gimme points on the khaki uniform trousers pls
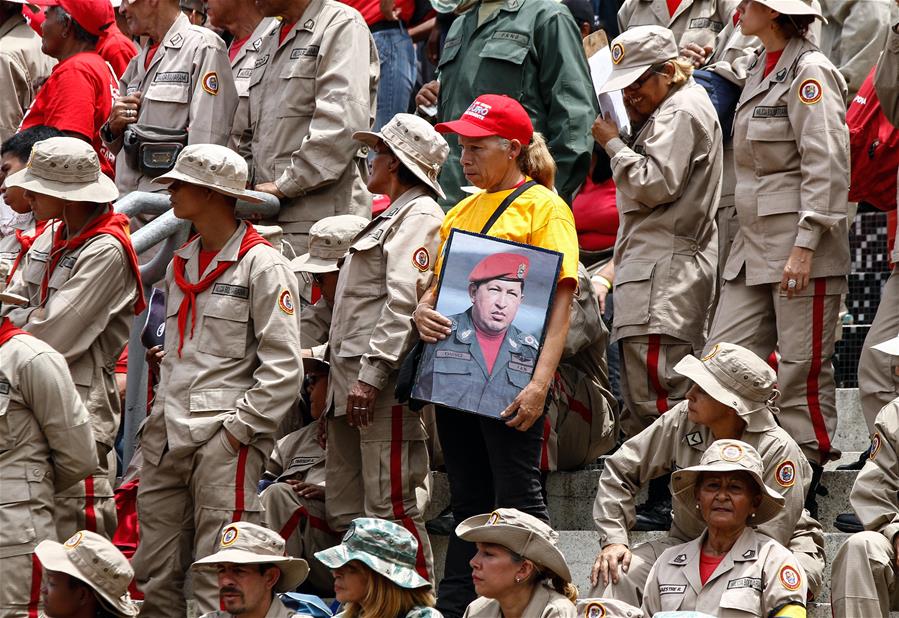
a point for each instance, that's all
(183, 503)
(649, 385)
(20, 592)
(802, 329)
(89, 504)
(381, 470)
(631, 584)
(863, 580)
(301, 522)
(878, 384)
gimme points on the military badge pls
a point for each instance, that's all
(875, 445)
(711, 353)
(617, 53)
(229, 535)
(731, 452)
(285, 302)
(790, 578)
(421, 259)
(694, 438)
(211, 83)
(810, 91)
(786, 474)
(595, 609)
(74, 540)
(494, 519)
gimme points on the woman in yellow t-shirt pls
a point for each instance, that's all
(496, 463)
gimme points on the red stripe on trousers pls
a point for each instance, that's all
(652, 369)
(90, 515)
(811, 384)
(239, 483)
(35, 598)
(396, 485)
(316, 522)
(544, 449)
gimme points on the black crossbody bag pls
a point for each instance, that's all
(405, 378)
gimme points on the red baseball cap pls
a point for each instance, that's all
(509, 266)
(492, 114)
(92, 15)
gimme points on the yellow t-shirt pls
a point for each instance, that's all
(538, 217)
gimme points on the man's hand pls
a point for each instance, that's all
(234, 442)
(154, 358)
(124, 112)
(309, 491)
(606, 565)
(432, 326)
(604, 130)
(696, 54)
(270, 187)
(797, 272)
(389, 10)
(526, 408)
(428, 94)
(360, 404)
(603, 289)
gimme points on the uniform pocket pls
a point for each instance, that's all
(501, 65)
(34, 268)
(299, 84)
(168, 93)
(356, 344)
(225, 327)
(633, 292)
(6, 437)
(778, 203)
(15, 511)
(741, 600)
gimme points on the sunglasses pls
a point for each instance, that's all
(655, 69)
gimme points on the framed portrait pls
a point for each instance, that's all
(497, 294)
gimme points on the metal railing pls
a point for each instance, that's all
(166, 233)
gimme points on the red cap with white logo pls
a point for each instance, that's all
(492, 114)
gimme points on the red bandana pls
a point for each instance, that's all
(25, 242)
(110, 223)
(8, 331)
(251, 238)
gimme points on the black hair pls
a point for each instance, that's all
(405, 175)
(793, 26)
(21, 144)
(81, 35)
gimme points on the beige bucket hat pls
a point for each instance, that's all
(794, 7)
(606, 608)
(522, 533)
(727, 456)
(732, 375)
(246, 543)
(415, 143)
(890, 346)
(212, 166)
(329, 240)
(634, 51)
(67, 168)
(91, 558)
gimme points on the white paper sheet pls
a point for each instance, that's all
(611, 103)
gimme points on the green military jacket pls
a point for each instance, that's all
(530, 50)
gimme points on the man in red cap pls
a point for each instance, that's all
(486, 360)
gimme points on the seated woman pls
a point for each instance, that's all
(374, 572)
(730, 570)
(518, 571)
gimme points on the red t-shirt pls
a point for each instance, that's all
(771, 59)
(151, 51)
(78, 97)
(595, 215)
(490, 345)
(285, 30)
(236, 46)
(116, 49)
(371, 9)
(672, 6)
(707, 565)
(205, 259)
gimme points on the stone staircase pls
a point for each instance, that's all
(571, 494)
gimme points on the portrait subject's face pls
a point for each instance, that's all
(494, 304)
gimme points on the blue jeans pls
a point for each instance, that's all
(397, 55)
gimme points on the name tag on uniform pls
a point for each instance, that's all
(260, 61)
(172, 77)
(770, 111)
(244, 73)
(302, 461)
(705, 22)
(745, 582)
(224, 289)
(453, 354)
(68, 262)
(4, 388)
(298, 52)
(672, 589)
(521, 39)
(521, 367)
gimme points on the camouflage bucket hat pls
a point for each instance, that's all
(383, 546)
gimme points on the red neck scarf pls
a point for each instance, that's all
(110, 223)
(8, 331)
(251, 238)
(25, 242)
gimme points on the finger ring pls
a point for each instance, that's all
(791, 283)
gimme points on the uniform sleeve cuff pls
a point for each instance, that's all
(238, 429)
(288, 187)
(807, 239)
(615, 538)
(614, 146)
(890, 531)
(373, 375)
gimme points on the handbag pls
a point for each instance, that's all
(405, 379)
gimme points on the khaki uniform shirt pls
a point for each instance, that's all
(545, 603)
(853, 36)
(188, 85)
(9, 251)
(316, 320)
(791, 149)
(307, 97)
(46, 442)
(277, 610)
(874, 495)
(673, 442)
(694, 21)
(298, 456)
(23, 67)
(86, 317)
(757, 577)
(385, 272)
(668, 178)
(886, 82)
(242, 368)
(245, 61)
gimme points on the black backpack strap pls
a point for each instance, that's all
(505, 204)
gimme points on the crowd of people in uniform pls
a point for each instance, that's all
(282, 454)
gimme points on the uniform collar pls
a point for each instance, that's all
(228, 253)
(759, 421)
(744, 550)
(758, 82)
(306, 21)
(401, 203)
(174, 38)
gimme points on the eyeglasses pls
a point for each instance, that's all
(655, 69)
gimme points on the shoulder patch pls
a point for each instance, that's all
(790, 578)
(617, 52)
(694, 438)
(810, 91)
(211, 83)
(421, 259)
(680, 559)
(876, 441)
(594, 609)
(786, 474)
(285, 302)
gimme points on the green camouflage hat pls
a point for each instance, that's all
(385, 547)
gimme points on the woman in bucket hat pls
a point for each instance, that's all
(730, 570)
(85, 576)
(518, 569)
(375, 572)
(385, 272)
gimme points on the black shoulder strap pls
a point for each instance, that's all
(505, 204)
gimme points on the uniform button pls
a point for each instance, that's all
(36, 471)
(694, 247)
